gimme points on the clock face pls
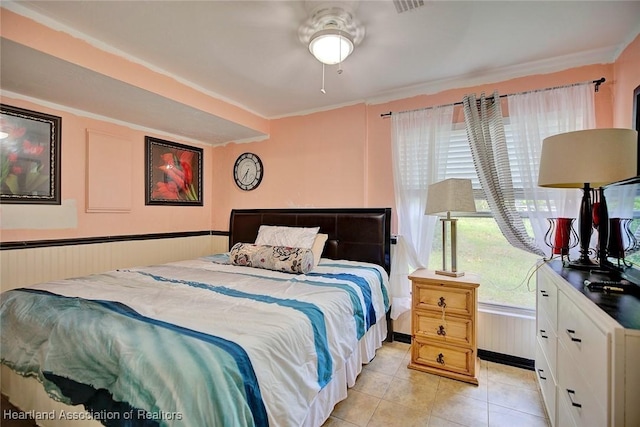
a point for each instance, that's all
(248, 171)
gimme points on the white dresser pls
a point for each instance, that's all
(587, 351)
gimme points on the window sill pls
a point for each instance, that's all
(506, 310)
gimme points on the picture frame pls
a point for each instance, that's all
(173, 173)
(30, 156)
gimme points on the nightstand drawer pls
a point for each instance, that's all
(444, 357)
(437, 297)
(452, 330)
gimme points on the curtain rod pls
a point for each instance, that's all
(597, 84)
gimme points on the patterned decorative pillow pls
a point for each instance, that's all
(278, 258)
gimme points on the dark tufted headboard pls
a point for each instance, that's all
(356, 234)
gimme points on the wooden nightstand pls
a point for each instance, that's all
(444, 315)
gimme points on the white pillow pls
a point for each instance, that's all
(293, 237)
(318, 247)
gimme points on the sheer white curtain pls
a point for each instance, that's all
(417, 141)
(533, 116)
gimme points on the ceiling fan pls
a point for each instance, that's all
(332, 31)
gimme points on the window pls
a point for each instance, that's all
(482, 248)
(504, 270)
(632, 257)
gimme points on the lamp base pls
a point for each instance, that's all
(450, 273)
(581, 264)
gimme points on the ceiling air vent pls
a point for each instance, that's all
(404, 5)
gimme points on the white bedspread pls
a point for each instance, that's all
(297, 330)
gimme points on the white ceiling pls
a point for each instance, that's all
(249, 52)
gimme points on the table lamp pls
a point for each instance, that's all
(589, 159)
(450, 195)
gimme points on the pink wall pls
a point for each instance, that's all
(627, 78)
(140, 220)
(335, 158)
(342, 157)
(316, 160)
(71, 220)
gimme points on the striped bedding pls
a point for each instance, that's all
(193, 343)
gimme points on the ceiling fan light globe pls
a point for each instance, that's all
(331, 46)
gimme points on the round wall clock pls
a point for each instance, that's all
(248, 171)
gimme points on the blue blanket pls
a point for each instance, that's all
(136, 358)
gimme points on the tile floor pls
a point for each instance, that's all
(388, 394)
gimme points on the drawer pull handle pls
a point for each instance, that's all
(542, 333)
(441, 303)
(440, 359)
(571, 393)
(441, 331)
(570, 332)
(540, 371)
(544, 293)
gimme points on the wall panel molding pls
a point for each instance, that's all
(106, 190)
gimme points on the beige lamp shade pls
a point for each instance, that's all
(594, 156)
(450, 195)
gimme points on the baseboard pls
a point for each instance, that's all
(505, 359)
(405, 338)
(489, 356)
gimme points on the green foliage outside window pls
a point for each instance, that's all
(504, 270)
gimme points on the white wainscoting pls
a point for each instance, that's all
(506, 330)
(23, 267)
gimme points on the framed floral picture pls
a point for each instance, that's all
(173, 173)
(29, 156)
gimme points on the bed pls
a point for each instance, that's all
(209, 341)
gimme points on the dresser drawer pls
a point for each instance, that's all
(442, 356)
(586, 343)
(547, 340)
(547, 297)
(453, 330)
(547, 382)
(436, 297)
(565, 418)
(586, 404)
